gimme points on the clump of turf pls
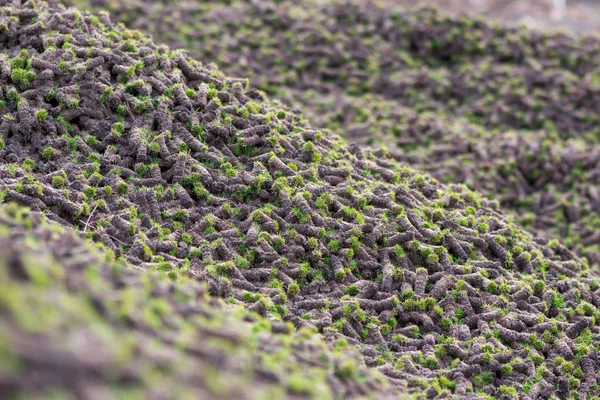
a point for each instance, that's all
(509, 111)
(180, 169)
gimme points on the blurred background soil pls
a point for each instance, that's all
(582, 16)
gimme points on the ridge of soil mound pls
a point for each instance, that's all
(512, 112)
(175, 167)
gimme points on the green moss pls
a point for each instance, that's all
(432, 258)
(48, 153)
(41, 115)
(118, 128)
(22, 77)
(58, 181)
(122, 187)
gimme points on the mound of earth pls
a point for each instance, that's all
(78, 324)
(175, 167)
(576, 15)
(509, 111)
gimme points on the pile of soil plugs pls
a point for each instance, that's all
(511, 112)
(181, 170)
(78, 324)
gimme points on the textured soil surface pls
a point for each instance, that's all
(77, 324)
(511, 112)
(327, 258)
